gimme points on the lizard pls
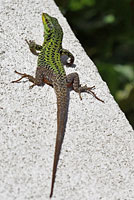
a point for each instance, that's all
(50, 70)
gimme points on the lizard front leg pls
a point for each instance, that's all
(36, 47)
(33, 47)
(74, 82)
(69, 54)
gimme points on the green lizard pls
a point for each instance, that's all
(50, 70)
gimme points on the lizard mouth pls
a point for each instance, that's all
(44, 18)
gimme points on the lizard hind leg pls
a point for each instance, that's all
(73, 80)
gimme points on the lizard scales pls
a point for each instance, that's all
(51, 71)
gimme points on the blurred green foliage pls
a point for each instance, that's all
(106, 30)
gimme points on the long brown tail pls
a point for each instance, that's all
(62, 112)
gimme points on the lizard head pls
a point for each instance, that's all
(50, 24)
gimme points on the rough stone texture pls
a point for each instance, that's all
(97, 158)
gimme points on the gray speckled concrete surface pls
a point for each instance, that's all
(97, 158)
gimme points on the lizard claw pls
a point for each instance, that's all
(31, 86)
(31, 43)
(80, 95)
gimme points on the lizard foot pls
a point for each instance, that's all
(88, 90)
(31, 43)
(33, 46)
(24, 75)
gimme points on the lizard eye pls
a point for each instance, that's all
(48, 23)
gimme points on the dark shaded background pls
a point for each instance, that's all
(106, 30)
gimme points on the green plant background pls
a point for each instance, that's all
(106, 30)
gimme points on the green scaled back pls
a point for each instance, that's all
(49, 56)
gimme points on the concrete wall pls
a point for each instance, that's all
(97, 157)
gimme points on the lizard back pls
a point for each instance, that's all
(49, 57)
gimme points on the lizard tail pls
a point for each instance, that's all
(62, 110)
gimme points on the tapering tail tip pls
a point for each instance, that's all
(52, 187)
(51, 194)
